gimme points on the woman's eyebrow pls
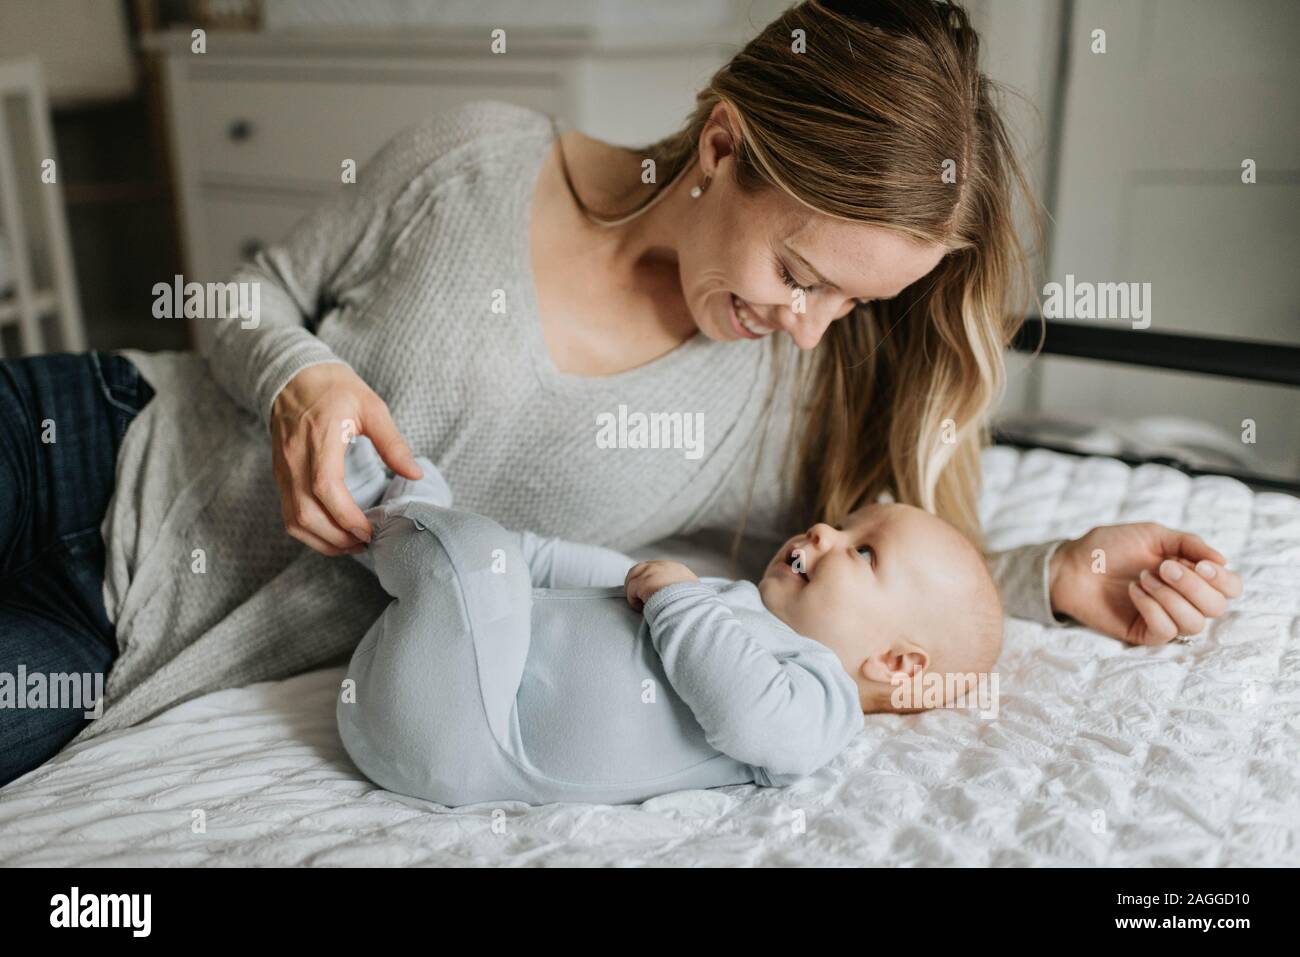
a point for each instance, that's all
(809, 266)
(820, 278)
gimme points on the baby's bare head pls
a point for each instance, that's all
(893, 591)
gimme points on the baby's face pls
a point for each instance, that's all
(873, 590)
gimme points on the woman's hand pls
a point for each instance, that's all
(314, 417)
(646, 578)
(1141, 583)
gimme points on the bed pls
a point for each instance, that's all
(1102, 754)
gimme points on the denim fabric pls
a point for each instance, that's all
(62, 419)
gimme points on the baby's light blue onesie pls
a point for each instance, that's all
(502, 670)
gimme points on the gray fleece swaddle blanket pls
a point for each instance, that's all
(502, 670)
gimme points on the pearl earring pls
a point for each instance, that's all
(698, 191)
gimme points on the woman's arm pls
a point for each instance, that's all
(1142, 582)
(335, 248)
(304, 275)
(1023, 576)
(310, 400)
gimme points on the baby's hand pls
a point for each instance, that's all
(648, 577)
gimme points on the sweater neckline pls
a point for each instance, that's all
(548, 373)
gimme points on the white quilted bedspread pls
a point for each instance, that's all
(1102, 754)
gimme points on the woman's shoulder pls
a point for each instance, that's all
(480, 120)
(436, 150)
(487, 128)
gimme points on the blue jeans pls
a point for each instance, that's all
(62, 419)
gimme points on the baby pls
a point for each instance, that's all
(513, 667)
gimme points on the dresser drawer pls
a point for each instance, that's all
(229, 228)
(301, 130)
(236, 228)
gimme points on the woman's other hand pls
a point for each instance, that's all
(1142, 583)
(314, 417)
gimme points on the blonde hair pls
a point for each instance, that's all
(862, 125)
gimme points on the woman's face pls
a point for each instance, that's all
(756, 264)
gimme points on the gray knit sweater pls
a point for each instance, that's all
(418, 277)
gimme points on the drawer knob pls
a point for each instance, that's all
(250, 248)
(239, 130)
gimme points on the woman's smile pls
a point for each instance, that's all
(744, 322)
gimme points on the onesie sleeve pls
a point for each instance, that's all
(786, 712)
(555, 563)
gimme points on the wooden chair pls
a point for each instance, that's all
(39, 256)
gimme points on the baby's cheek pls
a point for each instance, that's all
(776, 600)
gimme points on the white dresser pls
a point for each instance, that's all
(261, 123)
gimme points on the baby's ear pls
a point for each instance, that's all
(903, 659)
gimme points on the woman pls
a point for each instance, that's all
(844, 185)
